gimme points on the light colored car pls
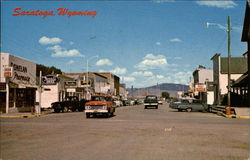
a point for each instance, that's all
(160, 102)
(118, 103)
(175, 104)
(196, 105)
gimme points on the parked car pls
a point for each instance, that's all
(174, 104)
(160, 102)
(100, 105)
(196, 105)
(118, 103)
(69, 103)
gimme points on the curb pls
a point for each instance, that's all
(24, 116)
(233, 116)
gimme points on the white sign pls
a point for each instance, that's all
(50, 80)
(8, 71)
(23, 71)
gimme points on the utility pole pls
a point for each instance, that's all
(38, 109)
(87, 88)
(228, 65)
(228, 108)
(7, 95)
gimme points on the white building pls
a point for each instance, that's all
(238, 66)
(53, 89)
(17, 83)
(202, 76)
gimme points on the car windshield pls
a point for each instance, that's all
(99, 98)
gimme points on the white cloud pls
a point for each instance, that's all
(62, 52)
(158, 43)
(45, 40)
(102, 70)
(128, 79)
(175, 40)
(181, 77)
(160, 76)
(118, 70)
(103, 62)
(140, 73)
(151, 61)
(224, 27)
(218, 4)
(71, 62)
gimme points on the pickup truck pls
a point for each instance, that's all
(100, 105)
(69, 103)
(151, 101)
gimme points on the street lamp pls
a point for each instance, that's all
(87, 88)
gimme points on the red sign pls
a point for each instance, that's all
(8, 72)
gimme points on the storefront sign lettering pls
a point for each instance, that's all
(50, 80)
(19, 68)
(21, 77)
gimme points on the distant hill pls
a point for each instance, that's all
(170, 87)
(158, 89)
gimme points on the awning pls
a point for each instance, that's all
(14, 85)
(242, 81)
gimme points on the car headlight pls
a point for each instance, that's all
(104, 107)
(87, 107)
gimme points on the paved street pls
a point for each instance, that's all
(132, 134)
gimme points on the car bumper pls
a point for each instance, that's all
(97, 111)
(150, 104)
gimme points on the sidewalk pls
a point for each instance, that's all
(241, 112)
(24, 114)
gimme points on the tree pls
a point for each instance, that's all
(47, 70)
(165, 95)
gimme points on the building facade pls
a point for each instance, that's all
(91, 83)
(17, 83)
(202, 77)
(54, 88)
(114, 82)
(238, 67)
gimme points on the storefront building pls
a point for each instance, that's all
(54, 89)
(17, 84)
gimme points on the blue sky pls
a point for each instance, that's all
(143, 42)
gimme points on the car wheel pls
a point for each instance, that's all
(156, 107)
(189, 109)
(179, 110)
(65, 109)
(57, 110)
(145, 107)
(80, 109)
(87, 115)
(112, 114)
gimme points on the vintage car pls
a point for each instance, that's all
(160, 102)
(177, 102)
(100, 105)
(151, 101)
(69, 103)
(195, 105)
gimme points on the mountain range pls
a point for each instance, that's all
(171, 88)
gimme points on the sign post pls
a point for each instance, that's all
(8, 73)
